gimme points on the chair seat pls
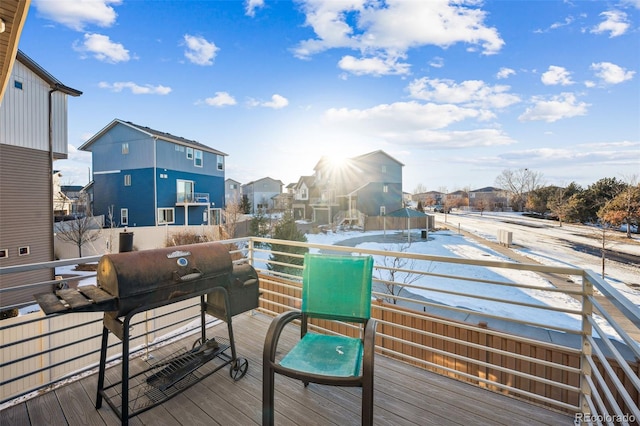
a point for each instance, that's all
(327, 355)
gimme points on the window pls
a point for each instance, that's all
(383, 210)
(385, 188)
(184, 191)
(23, 251)
(124, 216)
(125, 148)
(197, 161)
(165, 216)
(220, 160)
(189, 153)
(17, 84)
(4, 253)
(233, 186)
(127, 180)
(384, 169)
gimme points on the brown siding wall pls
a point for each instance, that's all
(25, 218)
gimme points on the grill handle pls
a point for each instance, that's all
(194, 274)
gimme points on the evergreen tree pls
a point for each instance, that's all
(245, 205)
(286, 229)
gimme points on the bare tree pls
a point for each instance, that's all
(519, 183)
(559, 205)
(419, 189)
(79, 231)
(481, 204)
(232, 213)
(395, 273)
(624, 209)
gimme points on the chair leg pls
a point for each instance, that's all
(267, 395)
(367, 400)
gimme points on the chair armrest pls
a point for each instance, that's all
(369, 346)
(273, 333)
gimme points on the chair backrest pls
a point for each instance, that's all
(337, 287)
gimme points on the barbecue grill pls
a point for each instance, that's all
(133, 282)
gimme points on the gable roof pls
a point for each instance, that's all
(488, 189)
(372, 153)
(363, 157)
(168, 137)
(53, 82)
(253, 182)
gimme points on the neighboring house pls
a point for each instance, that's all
(33, 132)
(429, 199)
(77, 197)
(347, 191)
(144, 177)
(300, 203)
(260, 193)
(232, 192)
(457, 199)
(61, 203)
(489, 199)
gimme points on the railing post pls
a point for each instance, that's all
(250, 251)
(585, 367)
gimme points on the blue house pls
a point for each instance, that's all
(144, 177)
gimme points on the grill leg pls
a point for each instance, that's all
(125, 371)
(103, 361)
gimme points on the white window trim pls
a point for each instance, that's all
(161, 221)
(124, 216)
(189, 153)
(198, 155)
(127, 180)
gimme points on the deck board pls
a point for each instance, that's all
(404, 395)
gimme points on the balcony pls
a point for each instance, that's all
(193, 198)
(436, 364)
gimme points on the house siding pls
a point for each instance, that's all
(155, 165)
(25, 116)
(25, 218)
(372, 197)
(137, 198)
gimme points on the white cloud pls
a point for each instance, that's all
(387, 30)
(469, 93)
(437, 62)
(221, 99)
(199, 50)
(635, 3)
(611, 73)
(556, 75)
(374, 66)
(102, 48)
(79, 13)
(411, 116)
(250, 7)
(505, 73)
(276, 102)
(136, 89)
(615, 23)
(555, 108)
(413, 124)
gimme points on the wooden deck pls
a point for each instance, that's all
(404, 395)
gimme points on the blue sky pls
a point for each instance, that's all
(457, 91)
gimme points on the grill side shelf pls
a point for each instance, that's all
(84, 299)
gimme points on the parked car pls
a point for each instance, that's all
(441, 209)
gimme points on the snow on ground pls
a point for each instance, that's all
(449, 244)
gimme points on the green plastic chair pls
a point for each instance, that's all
(333, 288)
